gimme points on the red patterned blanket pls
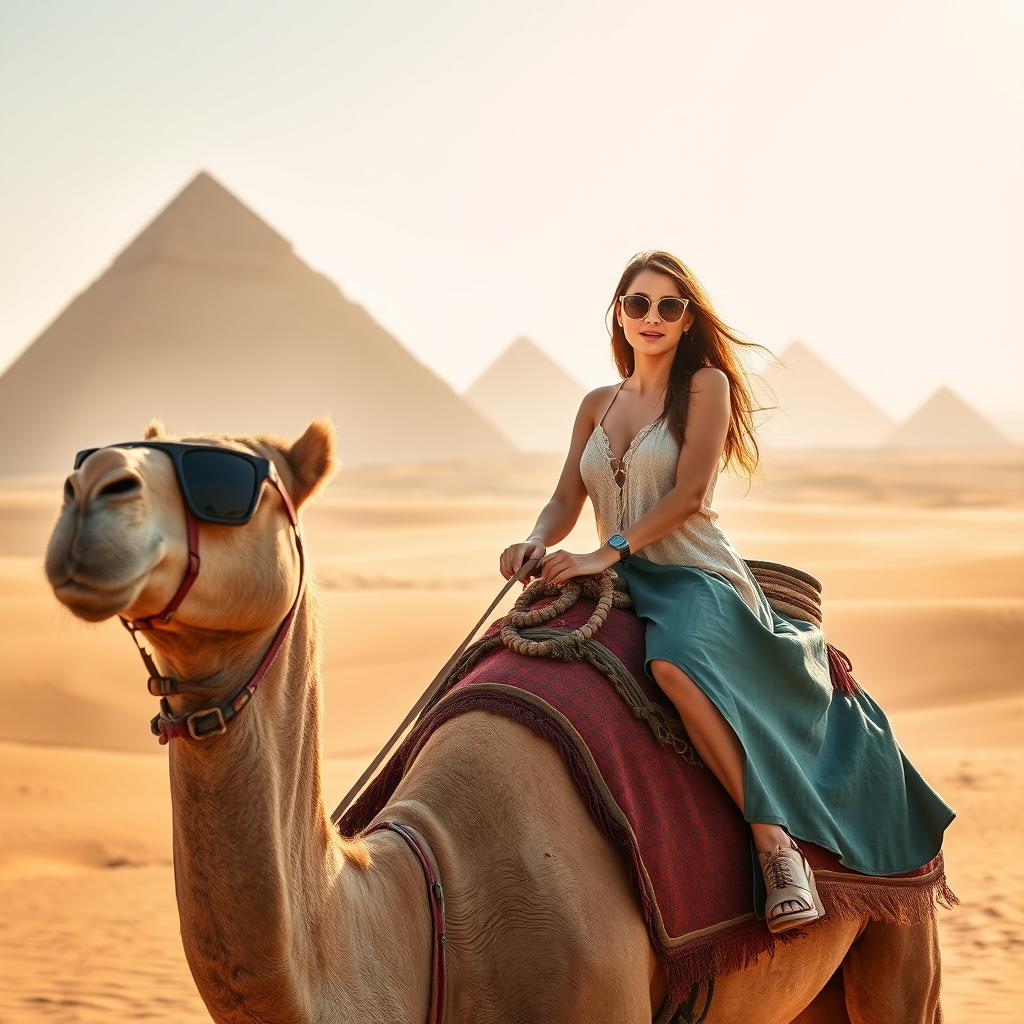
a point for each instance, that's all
(701, 919)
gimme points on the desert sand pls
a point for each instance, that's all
(920, 556)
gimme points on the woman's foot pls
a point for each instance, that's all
(792, 893)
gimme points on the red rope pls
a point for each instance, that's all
(839, 666)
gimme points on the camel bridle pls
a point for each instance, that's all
(210, 721)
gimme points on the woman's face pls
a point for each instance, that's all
(655, 285)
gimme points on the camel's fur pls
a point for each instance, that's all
(282, 920)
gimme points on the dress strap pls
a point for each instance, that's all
(612, 402)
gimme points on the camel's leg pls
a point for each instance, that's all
(892, 973)
(829, 1006)
(717, 743)
(797, 984)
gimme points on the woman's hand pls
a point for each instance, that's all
(560, 566)
(515, 555)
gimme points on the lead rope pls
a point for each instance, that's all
(526, 569)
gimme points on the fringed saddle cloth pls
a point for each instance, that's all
(686, 846)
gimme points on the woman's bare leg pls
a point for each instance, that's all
(720, 747)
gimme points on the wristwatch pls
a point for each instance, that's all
(617, 541)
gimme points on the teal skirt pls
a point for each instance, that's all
(822, 764)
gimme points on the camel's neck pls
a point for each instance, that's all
(258, 880)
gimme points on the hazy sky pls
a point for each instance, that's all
(849, 175)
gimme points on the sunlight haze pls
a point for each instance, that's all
(848, 177)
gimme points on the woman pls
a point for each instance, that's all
(751, 686)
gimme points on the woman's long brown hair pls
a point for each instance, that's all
(707, 343)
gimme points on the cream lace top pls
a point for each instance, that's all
(621, 495)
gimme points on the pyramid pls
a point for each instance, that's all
(209, 321)
(529, 397)
(945, 420)
(817, 406)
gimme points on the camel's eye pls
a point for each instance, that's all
(125, 485)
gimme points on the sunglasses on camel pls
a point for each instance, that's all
(670, 309)
(220, 485)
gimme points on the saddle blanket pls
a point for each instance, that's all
(687, 849)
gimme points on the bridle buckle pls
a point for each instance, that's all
(161, 686)
(205, 713)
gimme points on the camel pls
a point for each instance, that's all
(285, 920)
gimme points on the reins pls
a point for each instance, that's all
(435, 684)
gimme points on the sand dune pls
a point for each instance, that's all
(927, 601)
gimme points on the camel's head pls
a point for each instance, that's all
(120, 545)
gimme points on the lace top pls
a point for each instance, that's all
(647, 471)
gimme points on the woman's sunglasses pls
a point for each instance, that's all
(670, 309)
(220, 485)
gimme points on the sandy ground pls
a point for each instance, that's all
(921, 562)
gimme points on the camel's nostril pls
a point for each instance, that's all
(125, 485)
(69, 490)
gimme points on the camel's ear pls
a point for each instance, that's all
(155, 428)
(313, 461)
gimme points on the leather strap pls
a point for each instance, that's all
(166, 725)
(435, 894)
(526, 569)
(183, 588)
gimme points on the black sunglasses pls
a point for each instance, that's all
(670, 309)
(220, 485)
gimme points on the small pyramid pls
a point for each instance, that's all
(529, 397)
(945, 420)
(817, 406)
(208, 321)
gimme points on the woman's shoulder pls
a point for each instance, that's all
(710, 376)
(594, 401)
(604, 391)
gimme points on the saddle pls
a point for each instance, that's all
(604, 715)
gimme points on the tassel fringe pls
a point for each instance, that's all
(728, 953)
(839, 668)
(892, 904)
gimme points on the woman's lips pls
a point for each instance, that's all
(652, 334)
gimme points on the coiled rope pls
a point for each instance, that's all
(523, 631)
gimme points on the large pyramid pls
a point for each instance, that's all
(210, 321)
(945, 420)
(528, 397)
(817, 407)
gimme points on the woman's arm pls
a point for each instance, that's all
(561, 513)
(707, 426)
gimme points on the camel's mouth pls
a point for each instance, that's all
(94, 601)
